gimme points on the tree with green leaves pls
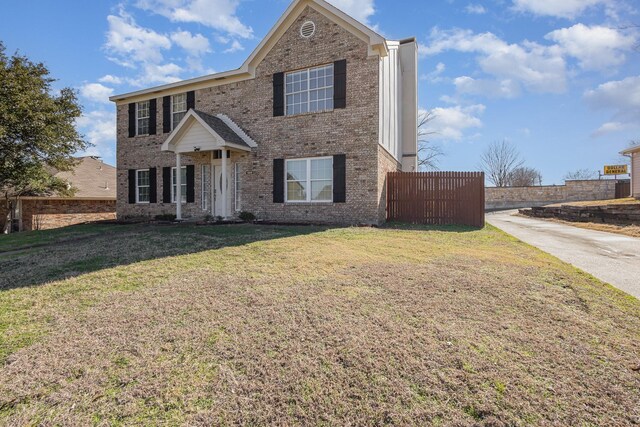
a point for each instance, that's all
(37, 131)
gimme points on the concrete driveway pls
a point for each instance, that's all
(613, 258)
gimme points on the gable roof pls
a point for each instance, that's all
(92, 178)
(631, 150)
(377, 46)
(221, 128)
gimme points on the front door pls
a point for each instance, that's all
(217, 173)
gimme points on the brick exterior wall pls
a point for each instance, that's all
(47, 214)
(352, 131)
(572, 191)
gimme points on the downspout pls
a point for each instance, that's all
(630, 156)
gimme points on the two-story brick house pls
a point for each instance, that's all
(304, 131)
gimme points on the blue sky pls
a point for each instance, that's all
(559, 79)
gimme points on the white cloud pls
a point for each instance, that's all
(505, 88)
(451, 122)
(361, 10)
(595, 47)
(155, 73)
(99, 128)
(475, 9)
(109, 79)
(537, 68)
(195, 45)
(236, 46)
(217, 14)
(620, 96)
(434, 76)
(128, 43)
(610, 127)
(569, 9)
(96, 92)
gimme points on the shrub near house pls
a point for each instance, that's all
(305, 130)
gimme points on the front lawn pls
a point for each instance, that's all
(261, 325)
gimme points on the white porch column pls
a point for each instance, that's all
(224, 183)
(178, 176)
(213, 186)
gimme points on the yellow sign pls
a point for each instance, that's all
(616, 170)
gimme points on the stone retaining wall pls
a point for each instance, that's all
(611, 214)
(572, 191)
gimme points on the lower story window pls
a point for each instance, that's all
(142, 186)
(183, 184)
(309, 180)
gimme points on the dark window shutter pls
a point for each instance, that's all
(339, 178)
(340, 84)
(278, 94)
(191, 100)
(166, 114)
(278, 180)
(153, 186)
(132, 186)
(166, 185)
(153, 110)
(132, 120)
(191, 184)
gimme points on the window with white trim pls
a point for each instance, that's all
(237, 188)
(309, 91)
(143, 113)
(309, 180)
(183, 185)
(143, 185)
(178, 109)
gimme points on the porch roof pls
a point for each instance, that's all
(199, 131)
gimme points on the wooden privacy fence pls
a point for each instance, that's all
(623, 189)
(438, 198)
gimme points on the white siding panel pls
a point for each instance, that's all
(197, 136)
(635, 175)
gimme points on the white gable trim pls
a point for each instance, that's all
(238, 130)
(173, 142)
(377, 47)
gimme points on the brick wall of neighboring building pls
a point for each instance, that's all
(572, 191)
(45, 214)
(352, 131)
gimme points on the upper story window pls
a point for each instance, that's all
(178, 109)
(143, 111)
(143, 184)
(309, 91)
(309, 180)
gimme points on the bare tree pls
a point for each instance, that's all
(428, 153)
(581, 174)
(525, 177)
(498, 161)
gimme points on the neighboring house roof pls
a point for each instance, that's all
(631, 150)
(377, 46)
(92, 179)
(222, 133)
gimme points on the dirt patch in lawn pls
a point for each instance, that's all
(329, 327)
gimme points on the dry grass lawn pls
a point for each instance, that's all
(251, 325)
